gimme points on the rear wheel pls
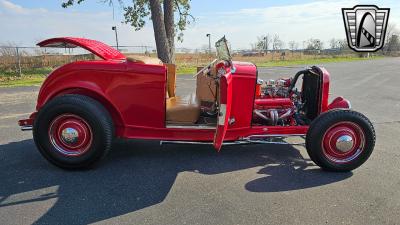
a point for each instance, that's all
(73, 131)
(340, 140)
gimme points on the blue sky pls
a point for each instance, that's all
(199, 6)
(26, 22)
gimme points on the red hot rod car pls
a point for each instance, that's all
(84, 105)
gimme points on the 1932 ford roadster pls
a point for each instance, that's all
(84, 105)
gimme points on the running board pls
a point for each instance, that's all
(203, 143)
(255, 139)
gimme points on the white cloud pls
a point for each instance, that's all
(27, 26)
(299, 22)
(11, 6)
(17, 9)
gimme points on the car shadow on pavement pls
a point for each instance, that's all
(139, 174)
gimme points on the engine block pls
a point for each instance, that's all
(275, 105)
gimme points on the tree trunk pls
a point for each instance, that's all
(160, 34)
(170, 27)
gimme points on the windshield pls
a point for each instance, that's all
(223, 49)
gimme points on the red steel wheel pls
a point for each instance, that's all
(343, 142)
(70, 135)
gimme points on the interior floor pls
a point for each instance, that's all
(204, 122)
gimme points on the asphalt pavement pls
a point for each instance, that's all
(141, 182)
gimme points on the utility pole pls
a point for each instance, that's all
(266, 44)
(18, 62)
(209, 43)
(114, 28)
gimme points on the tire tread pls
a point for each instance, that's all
(87, 106)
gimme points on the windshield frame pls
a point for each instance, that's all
(223, 52)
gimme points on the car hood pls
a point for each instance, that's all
(98, 48)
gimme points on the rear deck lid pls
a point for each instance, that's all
(98, 48)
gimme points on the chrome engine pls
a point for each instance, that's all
(277, 88)
(280, 103)
(276, 106)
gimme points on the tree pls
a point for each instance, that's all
(277, 43)
(390, 30)
(162, 14)
(293, 46)
(391, 38)
(266, 41)
(205, 48)
(263, 43)
(314, 44)
(393, 44)
(334, 43)
(343, 45)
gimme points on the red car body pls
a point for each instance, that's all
(135, 94)
(131, 99)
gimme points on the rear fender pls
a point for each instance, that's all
(98, 96)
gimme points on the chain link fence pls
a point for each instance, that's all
(18, 60)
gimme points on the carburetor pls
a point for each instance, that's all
(277, 88)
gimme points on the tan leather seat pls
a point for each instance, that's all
(171, 80)
(183, 109)
(144, 60)
(206, 89)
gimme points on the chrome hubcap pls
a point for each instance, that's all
(344, 143)
(69, 136)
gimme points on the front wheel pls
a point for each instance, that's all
(73, 131)
(340, 140)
